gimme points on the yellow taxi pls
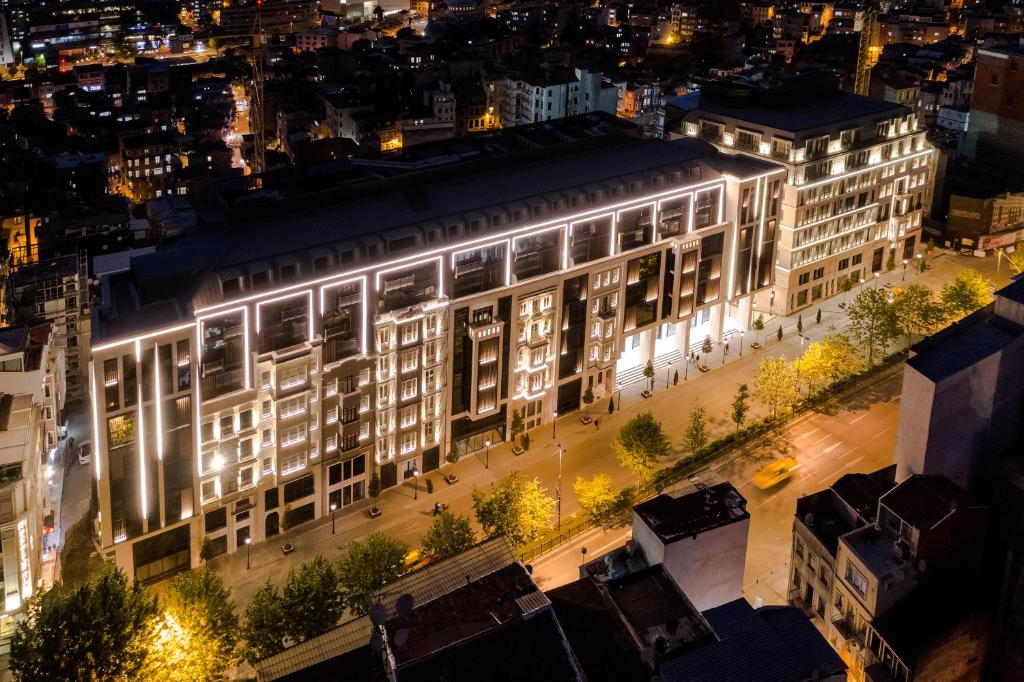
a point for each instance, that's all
(775, 473)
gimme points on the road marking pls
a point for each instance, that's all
(880, 433)
(766, 501)
(807, 433)
(839, 470)
(821, 440)
(830, 448)
(854, 421)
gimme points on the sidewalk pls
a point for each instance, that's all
(586, 452)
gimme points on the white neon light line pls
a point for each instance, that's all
(566, 238)
(285, 297)
(158, 403)
(143, 337)
(398, 262)
(96, 452)
(865, 169)
(362, 293)
(615, 233)
(198, 399)
(757, 197)
(423, 261)
(760, 233)
(692, 208)
(836, 216)
(508, 262)
(141, 437)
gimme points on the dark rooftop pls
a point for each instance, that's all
(770, 644)
(923, 500)
(672, 518)
(861, 491)
(796, 105)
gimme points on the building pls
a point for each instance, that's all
(995, 128)
(522, 98)
(986, 222)
(865, 549)
(54, 291)
(411, 317)
(960, 417)
(701, 540)
(859, 177)
(149, 165)
(238, 17)
(31, 402)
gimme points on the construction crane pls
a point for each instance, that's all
(862, 83)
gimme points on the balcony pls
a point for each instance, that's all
(336, 349)
(221, 383)
(846, 630)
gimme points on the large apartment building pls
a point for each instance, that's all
(859, 176)
(276, 366)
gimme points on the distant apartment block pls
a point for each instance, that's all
(859, 176)
(279, 367)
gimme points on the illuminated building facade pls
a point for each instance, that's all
(270, 370)
(859, 176)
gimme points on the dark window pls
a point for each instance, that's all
(819, 273)
(857, 258)
(216, 519)
(804, 278)
(162, 555)
(295, 490)
(270, 500)
(334, 474)
(844, 263)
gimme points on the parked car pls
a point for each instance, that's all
(84, 451)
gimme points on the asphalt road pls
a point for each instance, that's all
(854, 434)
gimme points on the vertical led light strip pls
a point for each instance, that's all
(141, 435)
(95, 417)
(197, 395)
(158, 403)
(760, 234)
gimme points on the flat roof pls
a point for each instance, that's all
(675, 517)
(924, 500)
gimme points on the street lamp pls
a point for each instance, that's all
(725, 351)
(248, 553)
(558, 490)
(487, 454)
(877, 275)
(771, 302)
(415, 484)
(334, 508)
(905, 261)
(686, 368)
(668, 372)
(920, 263)
(742, 332)
(554, 423)
(618, 399)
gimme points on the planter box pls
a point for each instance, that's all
(287, 548)
(585, 419)
(704, 368)
(755, 345)
(451, 479)
(517, 450)
(374, 512)
(646, 394)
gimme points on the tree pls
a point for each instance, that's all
(872, 322)
(649, 373)
(447, 536)
(696, 436)
(206, 552)
(517, 426)
(639, 444)
(1015, 259)
(740, 406)
(197, 637)
(817, 317)
(311, 598)
(588, 398)
(965, 294)
(452, 458)
(812, 366)
(778, 334)
(758, 326)
(368, 568)
(675, 377)
(890, 262)
(917, 312)
(263, 624)
(841, 357)
(99, 631)
(518, 508)
(706, 348)
(775, 384)
(374, 487)
(844, 285)
(596, 496)
(799, 324)
(611, 405)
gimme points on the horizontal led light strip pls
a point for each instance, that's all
(521, 231)
(866, 169)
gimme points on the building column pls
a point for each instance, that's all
(683, 337)
(717, 321)
(744, 314)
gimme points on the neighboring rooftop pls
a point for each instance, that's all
(965, 343)
(861, 491)
(924, 500)
(770, 644)
(880, 550)
(796, 105)
(674, 517)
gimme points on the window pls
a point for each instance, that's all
(410, 333)
(408, 443)
(856, 579)
(293, 435)
(804, 278)
(297, 489)
(819, 273)
(844, 263)
(408, 389)
(800, 549)
(857, 259)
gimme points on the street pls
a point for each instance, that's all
(858, 438)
